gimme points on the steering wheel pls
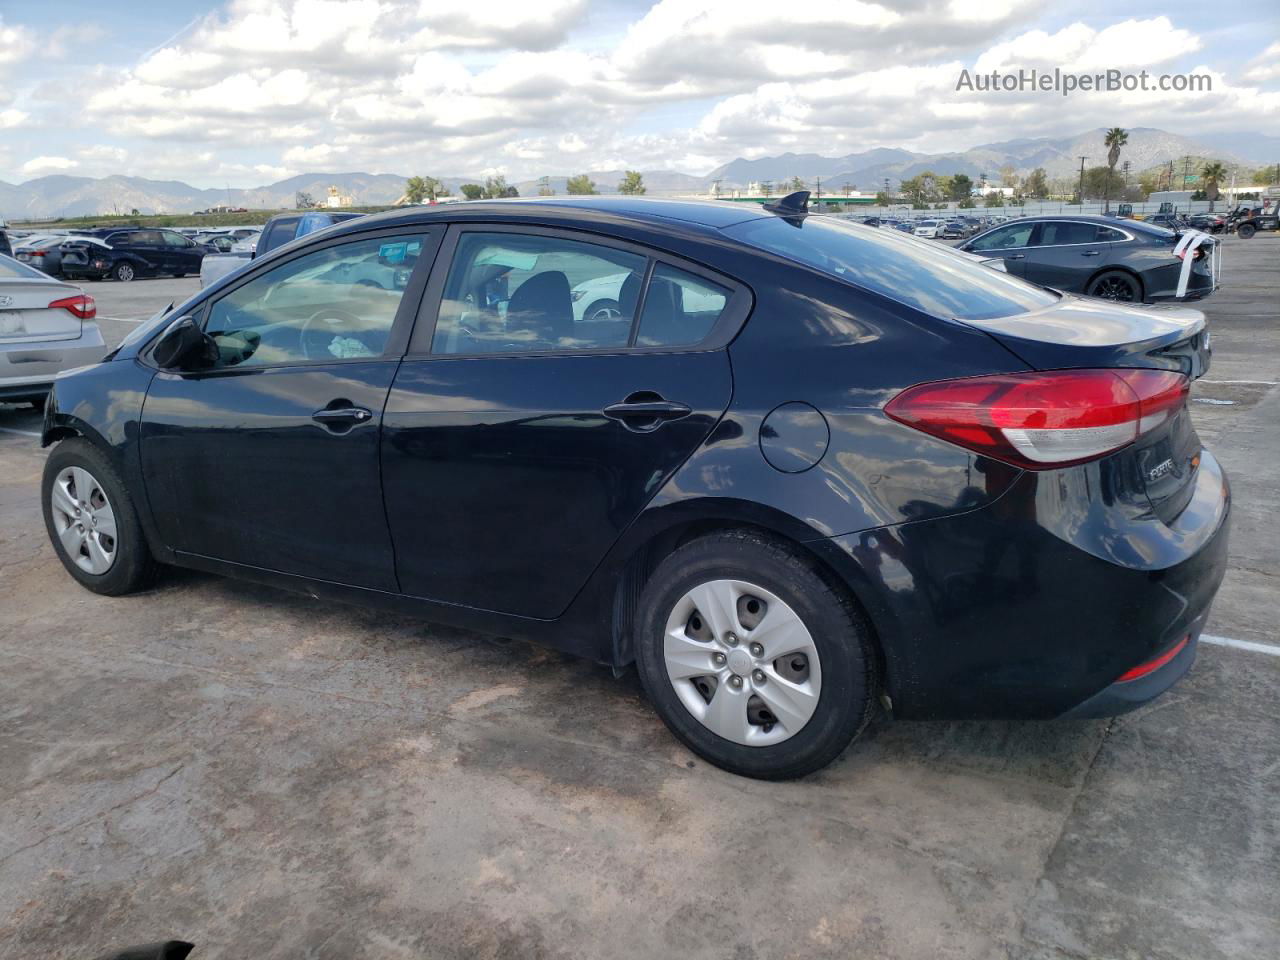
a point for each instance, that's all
(327, 315)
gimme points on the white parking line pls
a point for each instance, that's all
(21, 433)
(1268, 648)
(124, 319)
(1256, 383)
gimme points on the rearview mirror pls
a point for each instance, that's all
(184, 346)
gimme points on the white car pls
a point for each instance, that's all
(929, 228)
(600, 299)
(46, 326)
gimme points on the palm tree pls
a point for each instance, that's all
(1115, 139)
(1213, 172)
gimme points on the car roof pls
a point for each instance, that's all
(577, 210)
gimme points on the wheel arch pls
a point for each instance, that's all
(1119, 268)
(644, 552)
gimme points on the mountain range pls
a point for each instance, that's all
(63, 196)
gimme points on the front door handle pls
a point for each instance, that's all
(1016, 256)
(644, 411)
(1091, 253)
(338, 417)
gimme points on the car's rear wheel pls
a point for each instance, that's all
(1115, 285)
(92, 522)
(753, 659)
(1246, 231)
(123, 272)
(603, 310)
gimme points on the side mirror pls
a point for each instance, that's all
(184, 346)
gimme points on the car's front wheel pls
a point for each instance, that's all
(123, 272)
(1246, 231)
(92, 522)
(753, 659)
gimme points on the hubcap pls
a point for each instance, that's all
(742, 662)
(83, 520)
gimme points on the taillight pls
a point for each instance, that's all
(1043, 420)
(38, 253)
(81, 306)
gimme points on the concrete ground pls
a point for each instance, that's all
(270, 776)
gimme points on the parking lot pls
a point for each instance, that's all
(272, 776)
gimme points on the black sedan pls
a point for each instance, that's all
(1125, 260)
(805, 467)
(128, 254)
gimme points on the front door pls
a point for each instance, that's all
(556, 386)
(270, 457)
(1008, 243)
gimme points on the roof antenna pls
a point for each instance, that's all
(793, 207)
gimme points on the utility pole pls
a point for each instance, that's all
(1081, 197)
(817, 187)
(1186, 164)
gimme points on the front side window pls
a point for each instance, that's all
(929, 277)
(1006, 238)
(175, 239)
(337, 303)
(1057, 233)
(144, 238)
(509, 293)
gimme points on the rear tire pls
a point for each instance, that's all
(796, 713)
(123, 272)
(130, 566)
(1115, 285)
(1246, 231)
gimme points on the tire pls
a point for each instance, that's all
(179, 275)
(1115, 285)
(610, 308)
(131, 566)
(1246, 231)
(842, 683)
(124, 272)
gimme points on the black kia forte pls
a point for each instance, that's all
(788, 465)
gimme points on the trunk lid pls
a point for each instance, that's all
(1084, 333)
(25, 316)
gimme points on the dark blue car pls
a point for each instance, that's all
(805, 467)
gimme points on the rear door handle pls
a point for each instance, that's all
(340, 416)
(1091, 253)
(645, 411)
(1016, 256)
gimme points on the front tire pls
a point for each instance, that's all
(124, 272)
(1246, 231)
(753, 658)
(92, 522)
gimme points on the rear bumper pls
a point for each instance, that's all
(1033, 606)
(1119, 698)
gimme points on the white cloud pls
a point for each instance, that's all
(42, 165)
(16, 43)
(12, 118)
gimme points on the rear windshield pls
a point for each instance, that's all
(932, 278)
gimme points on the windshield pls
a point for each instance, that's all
(931, 278)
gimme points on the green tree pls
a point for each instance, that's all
(883, 199)
(1213, 172)
(796, 184)
(472, 191)
(497, 187)
(993, 199)
(1037, 184)
(766, 188)
(632, 183)
(581, 184)
(1114, 139)
(303, 200)
(134, 212)
(960, 187)
(966, 204)
(415, 190)
(1102, 183)
(921, 190)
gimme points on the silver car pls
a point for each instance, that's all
(46, 326)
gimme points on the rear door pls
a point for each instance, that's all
(555, 380)
(1065, 254)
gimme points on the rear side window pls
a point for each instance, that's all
(1107, 235)
(929, 277)
(679, 308)
(1055, 233)
(510, 293)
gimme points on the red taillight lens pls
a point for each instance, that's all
(1043, 420)
(38, 253)
(82, 306)
(1151, 666)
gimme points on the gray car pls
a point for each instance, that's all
(44, 253)
(1125, 260)
(46, 326)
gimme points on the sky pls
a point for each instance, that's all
(248, 92)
